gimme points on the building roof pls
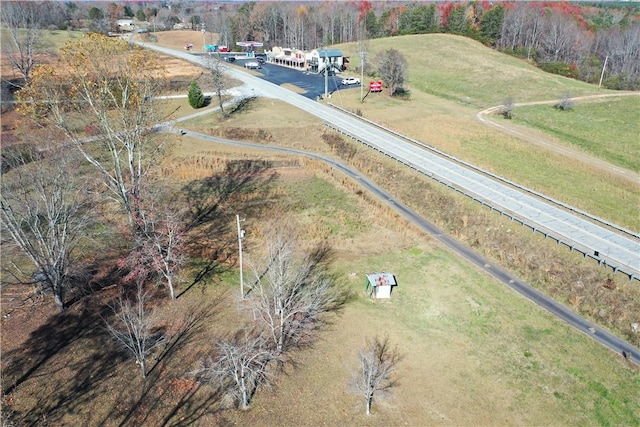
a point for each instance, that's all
(331, 53)
(381, 279)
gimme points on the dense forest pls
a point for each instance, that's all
(577, 40)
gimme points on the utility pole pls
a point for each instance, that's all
(240, 238)
(326, 74)
(204, 41)
(363, 54)
(606, 58)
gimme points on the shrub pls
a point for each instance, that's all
(195, 95)
(565, 103)
(507, 108)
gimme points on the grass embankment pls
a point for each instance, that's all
(476, 353)
(468, 73)
(608, 128)
(451, 78)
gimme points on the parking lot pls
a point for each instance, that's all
(312, 83)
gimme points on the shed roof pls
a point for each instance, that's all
(381, 279)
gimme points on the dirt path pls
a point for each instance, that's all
(547, 142)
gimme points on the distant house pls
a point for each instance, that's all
(379, 285)
(126, 25)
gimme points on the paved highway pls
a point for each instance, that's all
(616, 250)
(600, 335)
(399, 149)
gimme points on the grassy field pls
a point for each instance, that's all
(447, 94)
(475, 352)
(466, 72)
(608, 129)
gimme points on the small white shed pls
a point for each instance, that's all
(379, 285)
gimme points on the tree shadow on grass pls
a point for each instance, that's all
(243, 106)
(59, 378)
(165, 397)
(242, 188)
(80, 372)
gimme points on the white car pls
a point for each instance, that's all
(252, 65)
(351, 81)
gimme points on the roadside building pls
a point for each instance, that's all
(126, 25)
(288, 57)
(320, 60)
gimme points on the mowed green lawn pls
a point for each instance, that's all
(451, 78)
(608, 128)
(469, 73)
(476, 353)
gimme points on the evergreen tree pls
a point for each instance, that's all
(196, 97)
(491, 25)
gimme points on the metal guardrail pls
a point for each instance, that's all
(494, 176)
(534, 227)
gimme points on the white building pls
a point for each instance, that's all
(379, 285)
(320, 59)
(126, 25)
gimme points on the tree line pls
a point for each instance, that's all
(576, 40)
(560, 37)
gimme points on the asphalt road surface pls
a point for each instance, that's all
(600, 335)
(618, 251)
(618, 248)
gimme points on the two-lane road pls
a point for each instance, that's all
(260, 87)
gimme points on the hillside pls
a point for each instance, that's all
(475, 352)
(452, 78)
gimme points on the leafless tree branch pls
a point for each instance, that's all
(377, 365)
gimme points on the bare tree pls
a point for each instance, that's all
(135, 327)
(219, 80)
(293, 291)
(158, 248)
(22, 22)
(393, 68)
(240, 366)
(44, 210)
(560, 38)
(565, 103)
(376, 373)
(104, 103)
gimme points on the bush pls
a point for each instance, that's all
(402, 93)
(196, 97)
(559, 68)
(507, 108)
(565, 103)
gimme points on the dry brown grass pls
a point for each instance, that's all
(476, 354)
(543, 263)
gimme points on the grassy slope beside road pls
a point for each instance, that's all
(451, 78)
(476, 353)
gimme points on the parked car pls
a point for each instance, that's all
(351, 81)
